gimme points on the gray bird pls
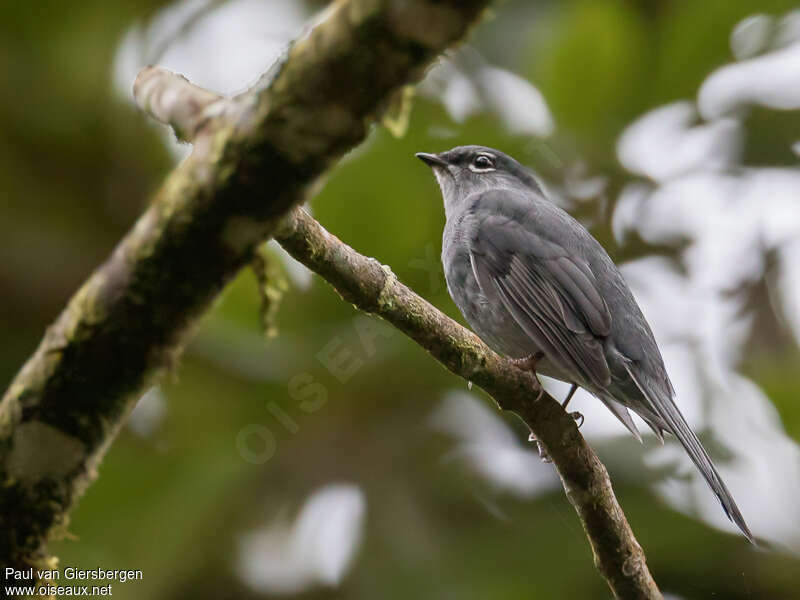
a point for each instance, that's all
(536, 286)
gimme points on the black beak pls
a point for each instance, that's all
(432, 160)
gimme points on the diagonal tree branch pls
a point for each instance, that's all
(373, 288)
(255, 156)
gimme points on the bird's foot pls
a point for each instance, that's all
(571, 393)
(540, 448)
(575, 415)
(528, 363)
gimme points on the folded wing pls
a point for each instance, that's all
(552, 296)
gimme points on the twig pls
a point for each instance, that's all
(374, 288)
(173, 100)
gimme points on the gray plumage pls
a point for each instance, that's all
(530, 279)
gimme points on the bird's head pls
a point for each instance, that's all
(466, 170)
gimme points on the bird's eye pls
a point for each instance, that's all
(482, 161)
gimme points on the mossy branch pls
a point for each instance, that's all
(255, 156)
(373, 288)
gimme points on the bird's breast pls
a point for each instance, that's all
(493, 323)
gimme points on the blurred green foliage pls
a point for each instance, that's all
(76, 167)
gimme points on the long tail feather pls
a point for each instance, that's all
(619, 411)
(664, 407)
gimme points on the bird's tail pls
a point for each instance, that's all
(664, 407)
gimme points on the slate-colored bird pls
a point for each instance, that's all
(536, 286)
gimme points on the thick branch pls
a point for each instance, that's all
(253, 159)
(373, 288)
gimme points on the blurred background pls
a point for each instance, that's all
(337, 460)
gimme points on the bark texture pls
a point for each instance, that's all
(254, 158)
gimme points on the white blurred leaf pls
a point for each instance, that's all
(751, 36)
(317, 548)
(487, 444)
(148, 413)
(520, 105)
(664, 144)
(769, 80)
(466, 85)
(789, 285)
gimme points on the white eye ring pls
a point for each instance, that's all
(487, 164)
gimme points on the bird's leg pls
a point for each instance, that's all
(528, 363)
(571, 393)
(575, 415)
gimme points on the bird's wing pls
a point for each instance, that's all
(552, 295)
